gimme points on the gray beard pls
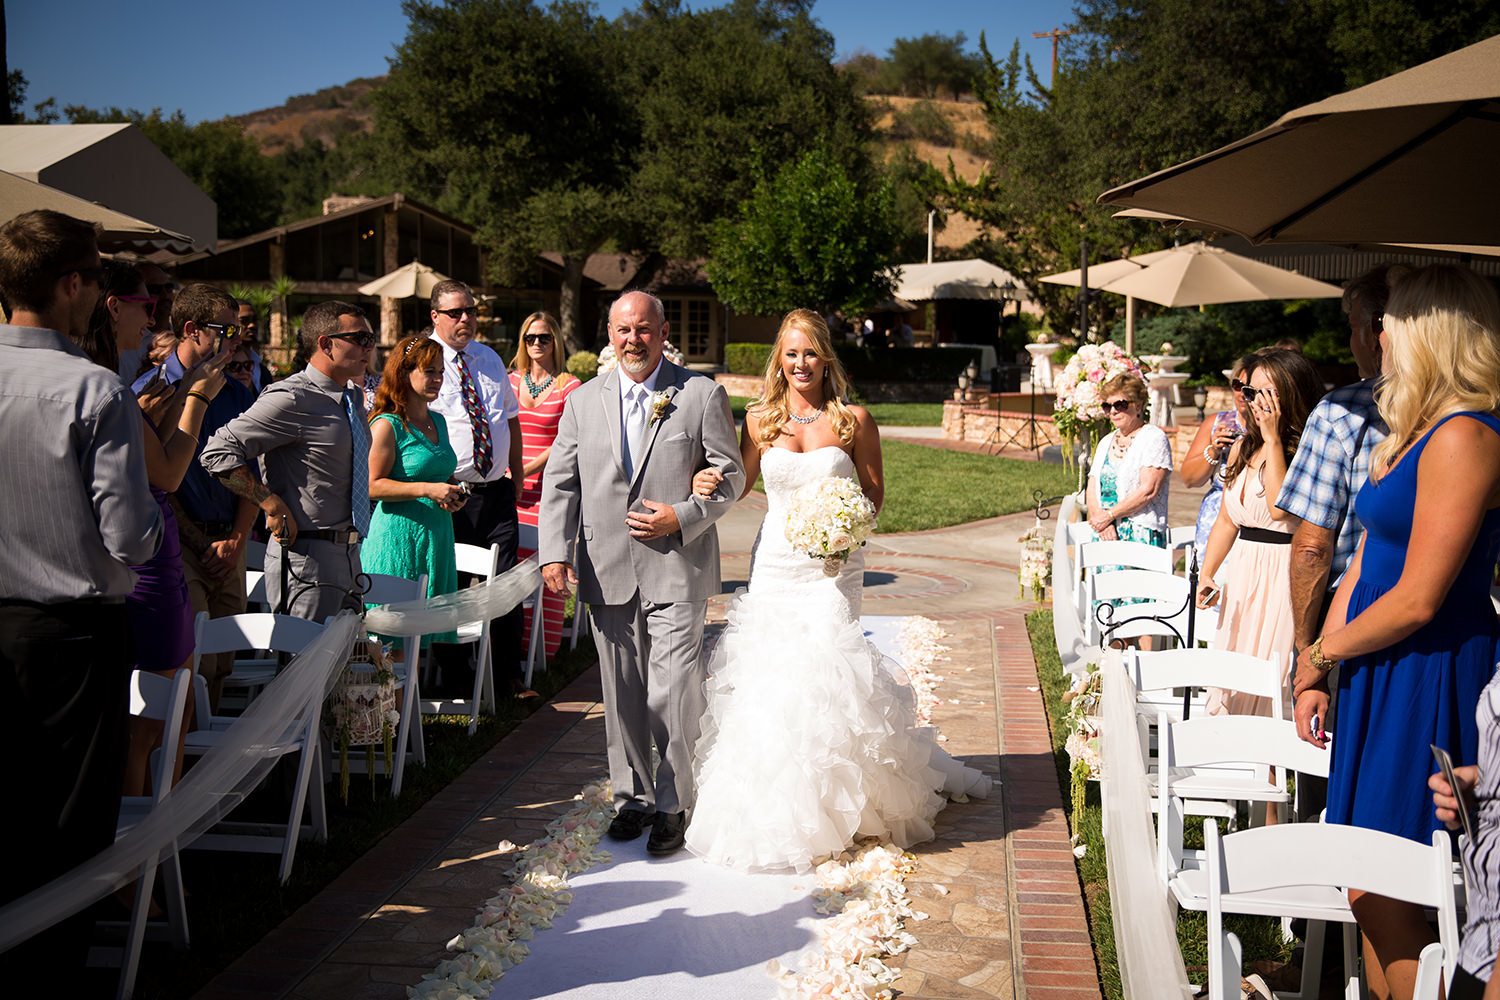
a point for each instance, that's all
(630, 364)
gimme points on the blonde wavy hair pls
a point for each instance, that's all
(774, 407)
(1442, 353)
(522, 361)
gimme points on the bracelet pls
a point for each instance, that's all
(182, 430)
(1317, 660)
(1209, 456)
(199, 395)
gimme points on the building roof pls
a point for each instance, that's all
(957, 279)
(113, 165)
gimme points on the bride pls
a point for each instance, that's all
(810, 738)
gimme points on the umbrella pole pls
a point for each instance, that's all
(1083, 292)
(1130, 324)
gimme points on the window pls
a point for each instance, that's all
(691, 332)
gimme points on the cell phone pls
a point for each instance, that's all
(1316, 726)
(1445, 764)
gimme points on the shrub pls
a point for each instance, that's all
(584, 365)
(924, 120)
(747, 359)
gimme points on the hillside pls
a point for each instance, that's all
(936, 130)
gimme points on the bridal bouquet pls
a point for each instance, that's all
(829, 518)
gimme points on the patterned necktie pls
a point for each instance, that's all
(359, 465)
(635, 428)
(479, 421)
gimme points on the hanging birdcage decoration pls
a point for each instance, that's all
(362, 708)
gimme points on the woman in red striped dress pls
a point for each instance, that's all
(542, 384)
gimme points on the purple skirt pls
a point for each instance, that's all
(160, 614)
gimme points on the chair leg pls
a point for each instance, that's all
(171, 876)
(135, 935)
(409, 713)
(476, 698)
(309, 753)
(317, 795)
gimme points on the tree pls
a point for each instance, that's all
(717, 92)
(814, 234)
(511, 117)
(217, 156)
(922, 67)
(42, 113)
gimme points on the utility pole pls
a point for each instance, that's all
(1054, 34)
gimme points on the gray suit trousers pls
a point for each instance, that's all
(653, 693)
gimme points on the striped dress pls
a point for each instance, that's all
(538, 430)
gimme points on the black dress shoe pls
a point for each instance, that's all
(628, 824)
(667, 833)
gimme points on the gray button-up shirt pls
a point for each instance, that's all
(299, 431)
(78, 511)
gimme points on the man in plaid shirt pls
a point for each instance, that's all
(1331, 464)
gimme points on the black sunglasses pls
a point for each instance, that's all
(364, 338)
(1119, 406)
(538, 338)
(226, 330)
(460, 312)
(1247, 391)
(240, 366)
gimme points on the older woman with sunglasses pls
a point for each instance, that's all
(1127, 491)
(542, 385)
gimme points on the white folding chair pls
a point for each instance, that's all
(1099, 558)
(483, 563)
(1304, 870)
(1184, 539)
(153, 696)
(536, 652)
(1165, 598)
(385, 589)
(280, 634)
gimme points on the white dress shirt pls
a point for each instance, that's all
(628, 387)
(492, 382)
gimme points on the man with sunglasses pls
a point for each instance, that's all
(1329, 469)
(78, 514)
(213, 524)
(484, 430)
(309, 436)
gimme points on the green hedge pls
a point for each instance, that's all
(868, 364)
(747, 359)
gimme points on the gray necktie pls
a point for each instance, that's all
(635, 428)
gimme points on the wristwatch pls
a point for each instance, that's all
(1317, 660)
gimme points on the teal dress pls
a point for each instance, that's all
(412, 537)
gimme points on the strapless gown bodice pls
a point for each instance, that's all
(811, 737)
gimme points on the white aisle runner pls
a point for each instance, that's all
(644, 928)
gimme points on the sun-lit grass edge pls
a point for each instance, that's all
(885, 414)
(1260, 937)
(928, 488)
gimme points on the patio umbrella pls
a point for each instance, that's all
(1407, 159)
(1197, 274)
(411, 279)
(117, 232)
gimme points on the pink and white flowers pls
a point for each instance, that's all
(828, 518)
(1079, 405)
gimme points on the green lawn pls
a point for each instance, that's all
(932, 488)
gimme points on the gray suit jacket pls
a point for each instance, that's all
(585, 495)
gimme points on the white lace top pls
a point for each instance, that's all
(1149, 450)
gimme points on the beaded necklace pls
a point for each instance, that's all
(533, 388)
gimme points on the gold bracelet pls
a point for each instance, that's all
(1317, 660)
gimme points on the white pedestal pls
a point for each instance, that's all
(1041, 364)
(1164, 396)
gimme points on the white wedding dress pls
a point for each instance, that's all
(810, 738)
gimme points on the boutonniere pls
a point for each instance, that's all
(659, 403)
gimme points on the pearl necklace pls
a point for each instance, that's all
(535, 389)
(805, 420)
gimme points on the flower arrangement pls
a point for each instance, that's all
(1082, 743)
(866, 893)
(660, 400)
(1035, 572)
(538, 893)
(828, 518)
(362, 708)
(1079, 406)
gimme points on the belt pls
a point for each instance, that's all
(214, 527)
(1250, 534)
(491, 485)
(340, 536)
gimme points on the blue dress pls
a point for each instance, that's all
(1424, 690)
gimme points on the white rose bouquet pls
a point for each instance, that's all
(829, 518)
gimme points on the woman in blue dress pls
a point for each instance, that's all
(1421, 638)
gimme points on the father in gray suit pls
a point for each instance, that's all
(619, 519)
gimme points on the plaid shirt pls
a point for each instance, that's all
(1331, 464)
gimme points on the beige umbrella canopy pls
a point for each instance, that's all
(117, 232)
(1407, 159)
(411, 279)
(1198, 274)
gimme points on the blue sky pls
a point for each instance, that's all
(212, 58)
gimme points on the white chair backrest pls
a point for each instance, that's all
(386, 589)
(1166, 596)
(1176, 668)
(1329, 854)
(164, 699)
(1130, 555)
(476, 560)
(234, 633)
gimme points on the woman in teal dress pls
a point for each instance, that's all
(411, 464)
(1421, 637)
